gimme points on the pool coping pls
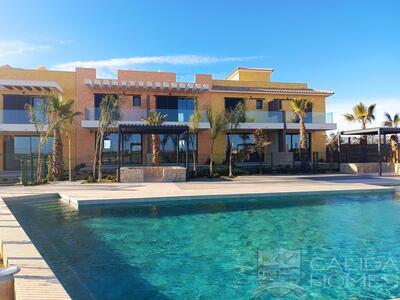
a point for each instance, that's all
(36, 280)
(76, 202)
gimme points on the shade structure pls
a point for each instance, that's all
(372, 131)
(153, 129)
(378, 131)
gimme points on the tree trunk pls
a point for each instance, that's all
(303, 145)
(211, 159)
(39, 160)
(155, 140)
(261, 161)
(230, 160)
(194, 156)
(100, 165)
(364, 138)
(58, 163)
(96, 151)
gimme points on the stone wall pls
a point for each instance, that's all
(150, 173)
(364, 168)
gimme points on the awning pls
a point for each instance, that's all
(372, 131)
(30, 85)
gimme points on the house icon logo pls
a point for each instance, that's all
(279, 273)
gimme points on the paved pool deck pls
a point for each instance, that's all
(84, 194)
(37, 281)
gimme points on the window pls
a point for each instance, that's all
(243, 148)
(177, 109)
(292, 144)
(231, 103)
(17, 148)
(137, 101)
(259, 104)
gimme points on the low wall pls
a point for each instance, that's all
(363, 168)
(282, 158)
(153, 173)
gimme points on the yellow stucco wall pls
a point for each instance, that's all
(246, 74)
(65, 79)
(218, 104)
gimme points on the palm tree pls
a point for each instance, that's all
(154, 119)
(363, 115)
(300, 108)
(391, 121)
(193, 130)
(62, 115)
(260, 142)
(217, 126)
(233, 119)
(38, 117)
(109, 114)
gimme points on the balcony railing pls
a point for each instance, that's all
(14, 116)
(129, 114)
(178, 115)
(312, 117)
(264, 117)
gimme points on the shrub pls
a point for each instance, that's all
(50, 170)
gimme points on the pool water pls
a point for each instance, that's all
(320, 247)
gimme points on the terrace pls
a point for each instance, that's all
(254, 119)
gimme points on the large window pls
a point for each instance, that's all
(243, 148)
(231, 103)
(169, 144)
(14, 108)
(131, 149)
(177, 109)
(97, 100)
(16, 148)
(292, 144)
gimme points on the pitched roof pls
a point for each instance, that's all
(261, 90)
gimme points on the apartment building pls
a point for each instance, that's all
(267, 102)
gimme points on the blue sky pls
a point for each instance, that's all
(351, 47)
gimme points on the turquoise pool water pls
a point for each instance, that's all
(330, 247)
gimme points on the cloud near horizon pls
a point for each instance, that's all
(113, 63)
(16, 47)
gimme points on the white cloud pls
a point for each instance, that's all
(340, 107)
(113, 63)
(15, 47)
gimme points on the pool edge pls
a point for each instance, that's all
(103, 201)
(36, 279)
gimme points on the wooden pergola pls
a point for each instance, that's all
(376, 131)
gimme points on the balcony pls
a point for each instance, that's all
(129, 115)
(254, 119)
(313, 121)
(15, 120)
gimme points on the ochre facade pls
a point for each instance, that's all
(267, 103)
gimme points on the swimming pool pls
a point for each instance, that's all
(325, 246)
